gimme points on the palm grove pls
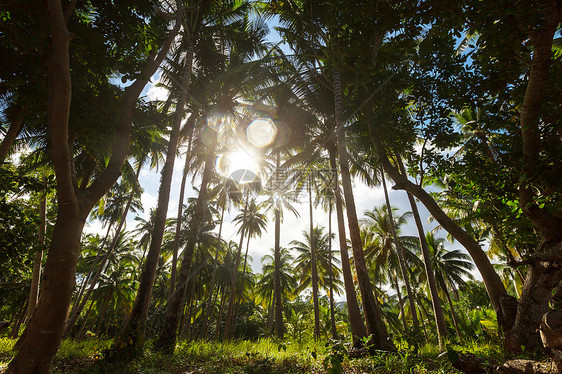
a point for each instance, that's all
(454, 104)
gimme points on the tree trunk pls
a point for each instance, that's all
(134, 331)
(176, 245)
(168, 335)
(82, 328)
(542, 278)
(430, 275)
(400, 304)
(492, 281)
(208, 309)
(77, 310)
(332, 316)
(38, 259)
(314, 270)
(219, 317)
(277, 300)
(15, 127)
(401, 260)
(453, 315)
(358, 330)
(373, 316)
(228, 326)
(241, 293)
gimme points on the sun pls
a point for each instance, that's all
(241, 165)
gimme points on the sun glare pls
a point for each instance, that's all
(241, 165)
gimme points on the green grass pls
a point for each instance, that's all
(257, 357)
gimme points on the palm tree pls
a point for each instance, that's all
(307, 262)
(450, 268)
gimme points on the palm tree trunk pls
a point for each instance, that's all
(11, 135)
(176, 245)
(167, 338)
(401, 260)
(219, 316)
(453, 315)
(82, 328)
(314, 270)
(207, 313)
(373, 316)
(38, 259)
(228, 327)
(278, 325)
(135, 326)
(241, 293)
(435, 301)
(492, 281)
(400, 303)
(358, 330)
(332, 316)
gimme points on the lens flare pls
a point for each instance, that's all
(261, 132)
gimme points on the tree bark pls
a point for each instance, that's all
(358, 330)
(373, 316)
(401, 260)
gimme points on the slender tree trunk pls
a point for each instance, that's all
(20, 317)
(82, 328)
(401, 260)
(453, 315)
(435, 301)
(167, 337)
(228, 327)
(133, 334)
(492, 281)
(400, 303)
(373, 316)
(38, 259)
(358, 330)
(278, 325)
(314, 271)
(11, 135)
(241, 293)
(219, 316)
(332, 316)
(208, 309)
(176, 245)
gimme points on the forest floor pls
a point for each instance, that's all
(262, 356)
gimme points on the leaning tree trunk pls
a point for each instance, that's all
(358, 330)
(314, 270)
(430, 275)
(401, 260)
(499, 298)
(373, 316)
(167, 338)
(38, 258)
(133, 334)
(15, 127)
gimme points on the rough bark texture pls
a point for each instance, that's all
(375, 325)
(358, 330)
(134, 329)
